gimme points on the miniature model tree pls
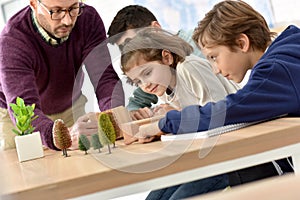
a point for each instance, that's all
(107, 134)
(112, 117)
(84, 143)
(24, 116)
(96, 142)
(61, 136)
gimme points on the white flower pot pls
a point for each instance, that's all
(29, 146)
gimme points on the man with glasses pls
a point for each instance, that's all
(43, 47)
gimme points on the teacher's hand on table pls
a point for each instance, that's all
(85, 125)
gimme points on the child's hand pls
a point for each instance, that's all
(141, 113)
(143, 131)
(162, 109)
(129, 130)
(150, 139)
(147, 131)
(146, 140)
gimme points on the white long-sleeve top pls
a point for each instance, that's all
(197, 84)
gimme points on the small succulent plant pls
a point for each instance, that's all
(24, 115)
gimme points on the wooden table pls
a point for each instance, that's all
(275, 188)
(141, 167)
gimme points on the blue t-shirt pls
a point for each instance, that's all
(273, 89)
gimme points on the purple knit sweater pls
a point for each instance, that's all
(45, 75)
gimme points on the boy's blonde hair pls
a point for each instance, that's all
(150, 42)
(227, 20)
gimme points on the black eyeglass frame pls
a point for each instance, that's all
(51, 12)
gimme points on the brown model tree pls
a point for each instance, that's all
(61, 136)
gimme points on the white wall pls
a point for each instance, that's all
(286, 12)
(10, 9)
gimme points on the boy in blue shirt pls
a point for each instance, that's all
(235, 38)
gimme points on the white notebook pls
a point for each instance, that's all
(206, 134)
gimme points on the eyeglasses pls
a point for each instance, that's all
(58, 14)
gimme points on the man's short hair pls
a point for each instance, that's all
(129, 17)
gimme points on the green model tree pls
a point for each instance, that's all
(107, 134)
(24, 116)
(61, 136)
(84, 143)
(96, 142)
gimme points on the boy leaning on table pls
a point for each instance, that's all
(235, 38)
(124, 26)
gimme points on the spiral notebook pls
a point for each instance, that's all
(215, 131)
(206, 134)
